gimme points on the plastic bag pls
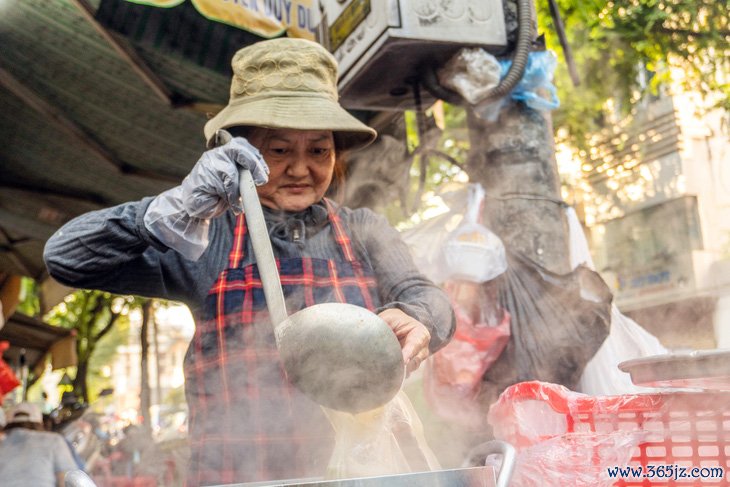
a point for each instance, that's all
(472, 252)
(563, 437)
(626, 340)
(430, 239)
(453, 376)
(8, 379)
(426, 240)
(385, 441)
(558, 324)
(472, 73)
(536, 87)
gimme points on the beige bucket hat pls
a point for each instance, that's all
(288, 83)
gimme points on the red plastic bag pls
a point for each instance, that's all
(8, 379)
(453, 376)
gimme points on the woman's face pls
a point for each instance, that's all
(301, 164)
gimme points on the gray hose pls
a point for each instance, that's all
(522, 51)
(514, 74)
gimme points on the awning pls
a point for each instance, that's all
(35, 340)
(267, 18)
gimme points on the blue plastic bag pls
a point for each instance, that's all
(536, 87)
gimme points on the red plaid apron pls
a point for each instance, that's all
(247, 423)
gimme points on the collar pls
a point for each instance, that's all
(296, 226)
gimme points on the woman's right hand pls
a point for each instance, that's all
(179, 217)
(212, 185)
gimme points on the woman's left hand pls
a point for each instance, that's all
(413, 336)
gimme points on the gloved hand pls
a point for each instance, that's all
(180, 217)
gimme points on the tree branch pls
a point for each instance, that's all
(108, 327)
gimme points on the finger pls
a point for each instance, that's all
(260, 175)
(414, 342)
(416, 361)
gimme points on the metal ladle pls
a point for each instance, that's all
(342, 356)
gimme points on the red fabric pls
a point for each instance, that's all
(8, 379)
(247, 423)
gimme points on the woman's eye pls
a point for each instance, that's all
(320, 151)
(278, 150)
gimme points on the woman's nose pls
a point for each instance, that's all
(298, 166)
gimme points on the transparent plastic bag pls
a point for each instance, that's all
(472, 72)
(472, 252)
(536, 87)
(557, 321)
(457, 229)
(385, 441)
(549, 425)
(453, 375)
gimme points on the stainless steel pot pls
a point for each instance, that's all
(460, 477)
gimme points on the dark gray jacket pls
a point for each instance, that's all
(112, 250)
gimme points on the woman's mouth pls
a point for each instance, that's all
(295, 188)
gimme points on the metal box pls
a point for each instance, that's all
(382, 46)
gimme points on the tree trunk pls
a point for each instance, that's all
(144, 396)
(156, 342)
(79, 383)
(513, 158)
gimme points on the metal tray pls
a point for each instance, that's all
(707, 369)
(460, 477)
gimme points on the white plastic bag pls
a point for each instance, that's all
(626, 340)
(472, 72)
(453, 245)
(472, 252)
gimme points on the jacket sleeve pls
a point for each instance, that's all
(400, 283)
(111, 250)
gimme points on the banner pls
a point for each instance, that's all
(266, 18)
(158, 3)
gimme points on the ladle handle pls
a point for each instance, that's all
(259, 235)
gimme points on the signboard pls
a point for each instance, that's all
(347, 21)
(650, 251)
(266, 18)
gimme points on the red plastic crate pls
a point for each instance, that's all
(690, 429)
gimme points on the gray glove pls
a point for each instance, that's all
(180, 217)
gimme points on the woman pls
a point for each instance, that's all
(246, 422)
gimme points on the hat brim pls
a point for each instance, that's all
(293, 111)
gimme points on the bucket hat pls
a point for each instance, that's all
(25, 412)
(288, 83)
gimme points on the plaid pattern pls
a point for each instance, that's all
(247, 423)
